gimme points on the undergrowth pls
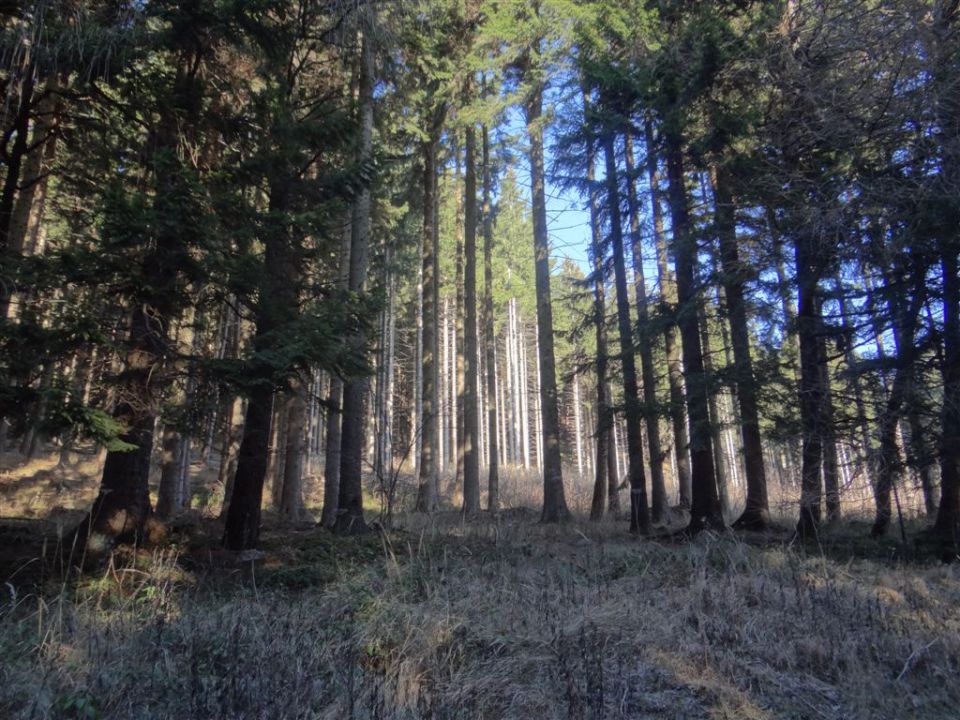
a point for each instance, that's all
(510, 619)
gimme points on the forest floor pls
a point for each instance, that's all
(493, 618)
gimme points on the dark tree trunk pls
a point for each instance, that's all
(704, 501)
(639, 512)
(331, 463)
(810, 387)
(230, 449)
(645, 345)
(352, 432)
(14, 162)
(242, 529)
(471, 452)
(755, 515)
(277, 307)
(493, 470)
(603, 476)
(430, 406)
(554, 501)
(668, 297)
(716, 417)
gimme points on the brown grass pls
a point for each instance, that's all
(490, 619)
(493, 618)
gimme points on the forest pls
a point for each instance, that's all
(479, 359)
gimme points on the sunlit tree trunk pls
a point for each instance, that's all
(554, 500)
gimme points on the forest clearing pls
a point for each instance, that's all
(479, 359)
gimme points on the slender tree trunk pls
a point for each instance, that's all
(352, 433)
(811, 387)
(645, 346)
(331, 466)
(639, 512)
(430, 403)
(705, 503)
(490, 340)
(716, 417)
(601, 490)
(668, 295)
(471, 449)
(755, 515)
(831, 467)
(554, 501)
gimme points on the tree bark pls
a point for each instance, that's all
(810, 386)
(645, 344)
(471, 449)
(291, 493)
(639, 512)
(430, 404)
(490, 340)
(705, 503)
(352, 432)
(668, 297)
(554, 501)
(755, 515)
(601, 490)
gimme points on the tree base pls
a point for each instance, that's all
(752, 520)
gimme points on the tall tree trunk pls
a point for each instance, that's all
(554, 501)
(639, 512)
(668, 295)
(810, 386)
(123, 503)
(645, 344)
(601, 490)
(471, 449)
(490, 339)
(430, 403)
(350, 500)
(704, 502)
(755, 515)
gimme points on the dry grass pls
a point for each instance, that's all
(502, 618)
(490, 619)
